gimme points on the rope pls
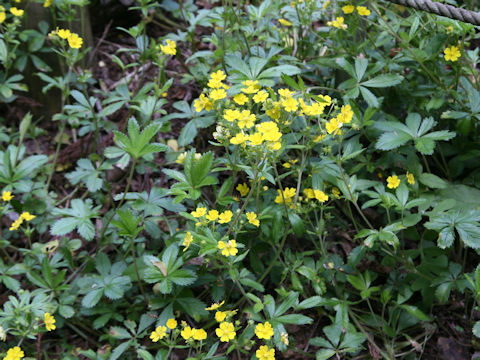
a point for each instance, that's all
(449, 11)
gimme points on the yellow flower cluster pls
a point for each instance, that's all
(161, 331)
(191, 333)
(316, 194)
(16, 12)
(170, 48)
(14, 353)
(362, 10)
(288, 195)
(49, 321)
(344, 117)
(24, 216)
(47, 3)
(217, 92)
(212, 215)
(216, 80)
(73, 39)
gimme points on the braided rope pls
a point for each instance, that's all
(449, 11)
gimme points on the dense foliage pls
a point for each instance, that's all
(238, 180)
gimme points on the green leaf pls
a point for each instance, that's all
(92, 298)
(383, 81)
(392, 140)
(369, 97)
(296, 319)
(415, 311)
(476, 329)
(432, 181)
(120, 349)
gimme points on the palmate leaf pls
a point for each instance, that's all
(392, 140)
(396, 134)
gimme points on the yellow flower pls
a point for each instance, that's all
(212, 215)
(285, 93)
(16, 12)
(159, 333)
(240, 99)
(269, 131)
(264, 353)
(16, 224)
(243, 189)
(49, 321)
(393, 182)
(187, 240)
(199, 212)
(289, 104)
(226, 332)
(325, 5)
(284, 338)
(47, 3)
(172, 323)
(170, 48)
(252, 86)
(218, 94)
(346, 114)
(363, 11)
(231, 115)
(309, 193)
(14, 353)
(203, 102)
(252, 218)
(215, 306)
(64, 33)
(319, 138)
(264, 331)
(285, 22)
(187, 332)
(218, 76)
(199, 334)
(228, 248)
(260, 96)
(225, 217)
(238, 139)
(336, 192)
(3, 16)
(452, 53)
(7, 196)
(338, 23)
(246, 119)
(333, 126)
(27, 216)
(410, 178)
(348, 9)
(220, 316)
(256, 139)
(75, 41)
(288, 194)
(320, 195)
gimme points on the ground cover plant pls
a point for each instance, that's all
(240, 179)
